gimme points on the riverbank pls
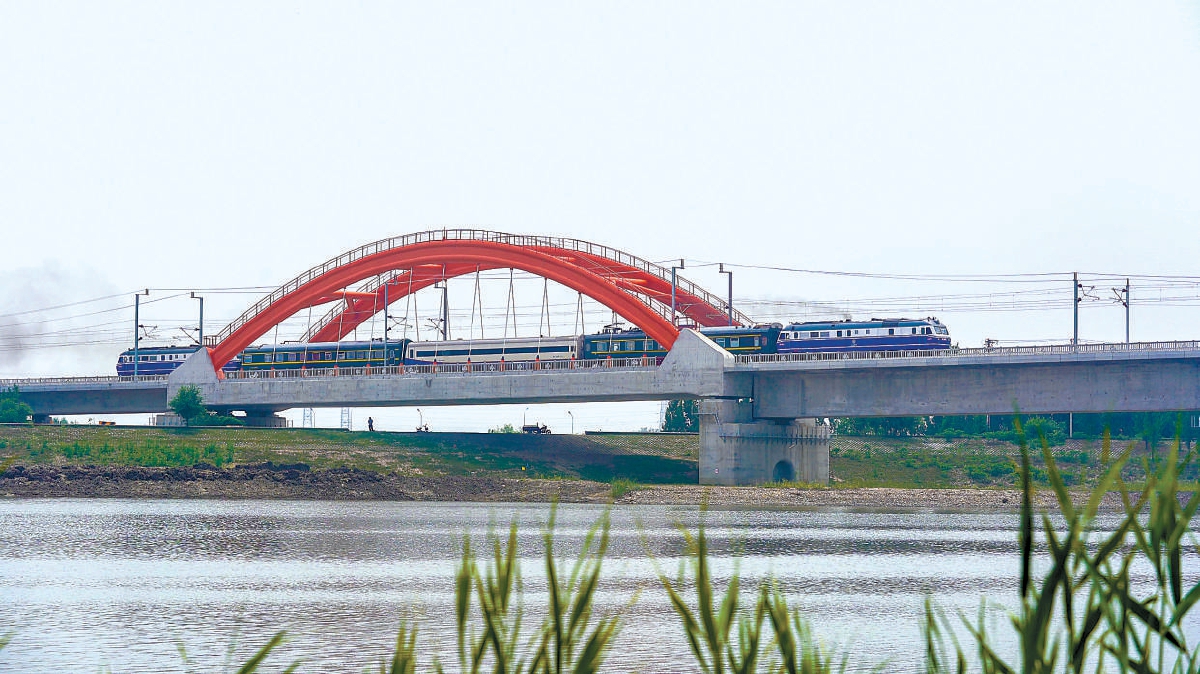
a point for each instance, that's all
(637, 468)
(300, 482)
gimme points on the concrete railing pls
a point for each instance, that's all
(34, 381)
(460, 369)
(998, 352)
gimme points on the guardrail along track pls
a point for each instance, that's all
(447, 369)
(1052, 349)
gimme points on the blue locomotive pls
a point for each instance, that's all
(899, 334)
(159, 360)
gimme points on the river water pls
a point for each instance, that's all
(88, 584)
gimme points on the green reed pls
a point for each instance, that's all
(724, 637)
(1083, 614)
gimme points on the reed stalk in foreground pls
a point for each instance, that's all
(569, 638)
(726, 638)
(1084, 613)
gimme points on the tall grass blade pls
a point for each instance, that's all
(258, 658)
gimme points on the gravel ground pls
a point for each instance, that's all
(977, 500)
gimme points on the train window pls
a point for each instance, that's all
(824, 333)
(891, 331)
(867, 331)
(839, 333)
(600, 346)
(914, 331)
(814, 334)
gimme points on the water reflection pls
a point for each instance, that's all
(89, 583)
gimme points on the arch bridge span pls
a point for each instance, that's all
(636, 289)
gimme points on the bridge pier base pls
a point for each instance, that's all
(268, 420)
(737, 449)
(41, 419)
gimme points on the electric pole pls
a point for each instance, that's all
(137, 327)
(1075, 305)
(1126, 311)
(673, 269)
(200, 328)
(729, 306)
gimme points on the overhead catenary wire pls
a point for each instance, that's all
(57, 326)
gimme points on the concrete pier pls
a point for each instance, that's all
(737, 449)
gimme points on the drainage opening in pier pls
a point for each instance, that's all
(783, 472)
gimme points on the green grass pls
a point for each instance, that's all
(415, 454)
(639, 458)
(622, 486)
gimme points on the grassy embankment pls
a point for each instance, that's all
(603, 458)
(626, 459)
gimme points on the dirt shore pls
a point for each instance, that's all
(298, 481)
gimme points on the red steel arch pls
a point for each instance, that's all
(242, 333)
(344, 318)
(638, 290)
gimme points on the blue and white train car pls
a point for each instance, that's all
(893, 334)
(156, 360)
(301, 355)
(513, 349)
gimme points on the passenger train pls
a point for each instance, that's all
(156, 360)
(900, 334)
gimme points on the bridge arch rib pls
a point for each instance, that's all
(341, 319)
(637, 290)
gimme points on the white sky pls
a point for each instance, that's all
(208, 145)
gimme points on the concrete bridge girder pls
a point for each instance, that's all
(694, 368)
(1113, 385)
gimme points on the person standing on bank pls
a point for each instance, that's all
(370, 424)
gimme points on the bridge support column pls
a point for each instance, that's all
(737, 449)
(256, 419)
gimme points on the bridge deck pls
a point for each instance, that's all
(1090, 377)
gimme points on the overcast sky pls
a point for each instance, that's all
(207, 145)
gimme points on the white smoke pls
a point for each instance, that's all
(36, 338)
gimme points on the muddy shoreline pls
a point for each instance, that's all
(298, 481)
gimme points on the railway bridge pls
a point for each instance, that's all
(760, 414)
